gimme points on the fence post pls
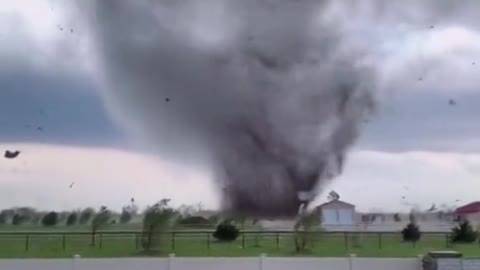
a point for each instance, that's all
(208, 240)
(345, 237)
(262, 261)
(173, 241)
(75, 259)
(27, 238)
(136, 241)
(350, 261)
(243, 239)
(100, 240)
(64, 241)
(380, 241)
(277, 240)
(420, 260)
(171, 257)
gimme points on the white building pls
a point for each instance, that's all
(337, 215)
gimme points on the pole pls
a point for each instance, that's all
(380, 241)
(243, 239)
(100, 244)
(345, 237)
(27, 238)
(173, 241)
(208, 240)
(64, 241)
(277, 240)
(171, 256)
(136, 241)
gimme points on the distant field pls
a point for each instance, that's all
(108, 244)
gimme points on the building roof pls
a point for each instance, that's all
(473, 207)
(337, 202)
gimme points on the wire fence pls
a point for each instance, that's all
(204, 240)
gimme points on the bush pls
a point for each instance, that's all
(194, 221)
(411, 233)
(85, 216)
(72, 219)
(50, 219)
(18, 219)
(464, 233)
(226, 232)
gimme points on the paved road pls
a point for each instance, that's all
(212, 264)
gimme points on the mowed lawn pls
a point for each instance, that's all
(59, 244)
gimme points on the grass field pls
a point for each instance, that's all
(58, 244)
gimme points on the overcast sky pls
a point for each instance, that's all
(423, 143)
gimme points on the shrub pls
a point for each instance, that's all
(464, 233)
(50, 219)
(18, 219)
(72, 219)
(411, 233)
(194, 221)
(226, 232)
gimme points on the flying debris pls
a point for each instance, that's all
(11, 155)
(432, 208)
(71, 185)
(71, 30)
(132, 200)
(167, 100)
(452, 102)
(39, 128)
(403, 197)
(432, 26)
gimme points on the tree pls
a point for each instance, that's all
(411, 233)
(50, 219)
(305, 228)
(18, 219)
(157, 219)
(86, 215)
(226, 232)
(128, 212)
(194, 221)
(333, 196)
(464, 233)
(72, 219)
(100, 220)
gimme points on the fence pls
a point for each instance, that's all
(173, 263)
(201, 243)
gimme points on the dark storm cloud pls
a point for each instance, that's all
(271, 93)
(270, 97)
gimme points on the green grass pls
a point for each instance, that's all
(201, 244)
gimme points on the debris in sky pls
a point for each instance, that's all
(167, 100)
(432, 208)
(132, 200)
(403, 197)
(71, 30)
(71, 185)
(473, 63)
(39, 128)
(432, 26)
(420, 78)
(11, 155)
(452, 102)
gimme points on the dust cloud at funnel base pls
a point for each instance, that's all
(264, 92)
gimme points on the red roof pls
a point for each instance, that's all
(473, 207)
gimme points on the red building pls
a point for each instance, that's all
(470, 212)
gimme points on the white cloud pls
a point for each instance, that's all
(42, 174)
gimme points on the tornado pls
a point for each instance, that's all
(269, 96)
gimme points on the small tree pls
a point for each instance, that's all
(100, 220)
(50, 219)
(194, 221)
(72, 219)
(411, 233)
(304, 229)
(157, 219)
(128, 212)
(18, 219)
(226, 232)
(464, 233)
(86, 215)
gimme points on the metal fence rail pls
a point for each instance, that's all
(203, 239)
